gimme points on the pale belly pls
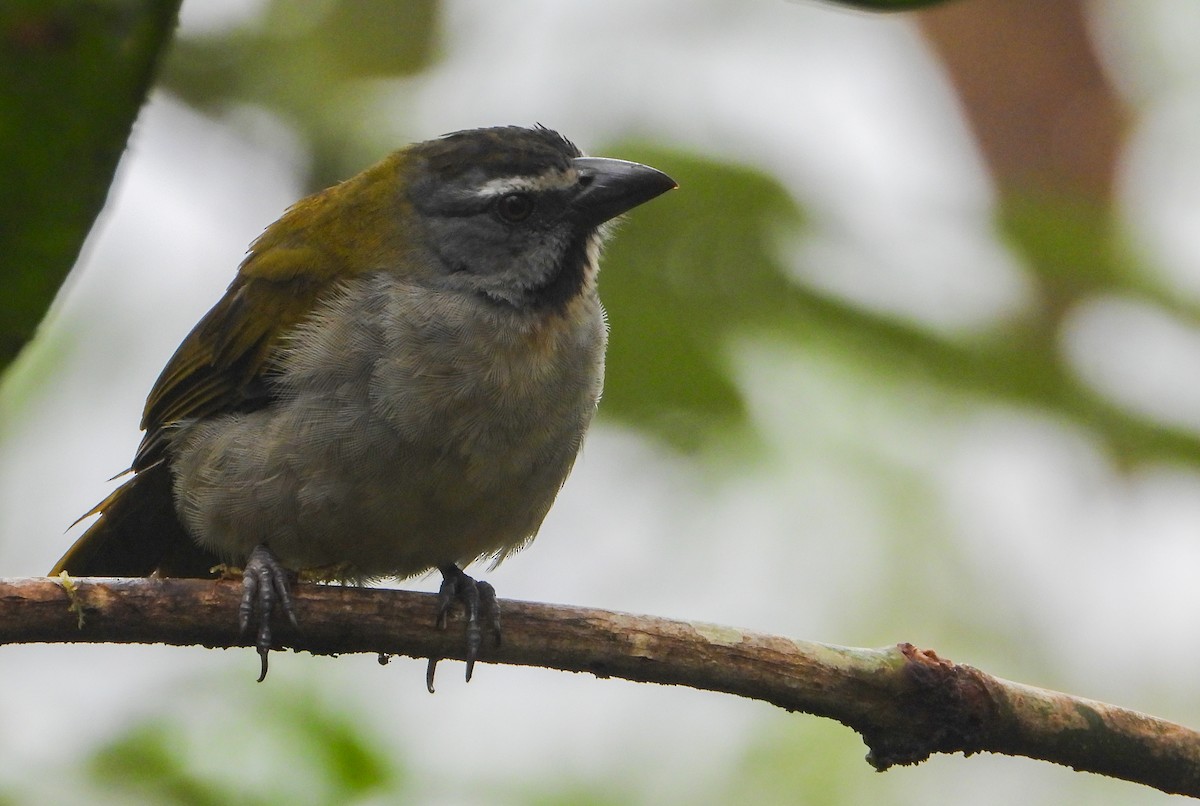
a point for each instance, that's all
(397, 445)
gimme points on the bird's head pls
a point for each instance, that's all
(516, 215)
(508, 214)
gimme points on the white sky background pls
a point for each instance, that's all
(1093, 572)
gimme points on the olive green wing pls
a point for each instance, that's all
(223, 365)
(225, 362)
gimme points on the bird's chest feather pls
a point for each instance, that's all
(455, 380)
(431, 431)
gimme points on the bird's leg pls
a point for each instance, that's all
(265, 583)
(479, 601)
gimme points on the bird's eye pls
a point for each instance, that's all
(514, 207)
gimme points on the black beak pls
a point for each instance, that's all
(610, 187)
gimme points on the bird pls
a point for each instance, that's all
(397, 380)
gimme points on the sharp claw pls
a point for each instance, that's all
(479, 602)
(264, 583)
(430, 671)
(474, 634)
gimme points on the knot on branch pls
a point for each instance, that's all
(947, 708)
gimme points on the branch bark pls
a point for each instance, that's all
(907, 703)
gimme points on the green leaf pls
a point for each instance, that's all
(73, 76)
(682, 275)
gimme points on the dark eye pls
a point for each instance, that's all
(514, 207)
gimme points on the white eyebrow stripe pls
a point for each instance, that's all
(552, 180)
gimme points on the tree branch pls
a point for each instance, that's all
(906, 702)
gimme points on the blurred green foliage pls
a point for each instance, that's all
(310, 63)
(682, 277)
(1075, 252)
(703, 265)
(686, 275)
(73, 76)
(284, 747)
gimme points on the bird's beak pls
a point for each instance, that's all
(610, 187)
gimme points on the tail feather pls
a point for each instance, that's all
(138, 534)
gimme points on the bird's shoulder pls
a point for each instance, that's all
(223, 363)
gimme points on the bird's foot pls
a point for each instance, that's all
(479, 602)
(265, 584)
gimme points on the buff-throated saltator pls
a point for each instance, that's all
(398, 379)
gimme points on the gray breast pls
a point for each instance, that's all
(413, 429)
